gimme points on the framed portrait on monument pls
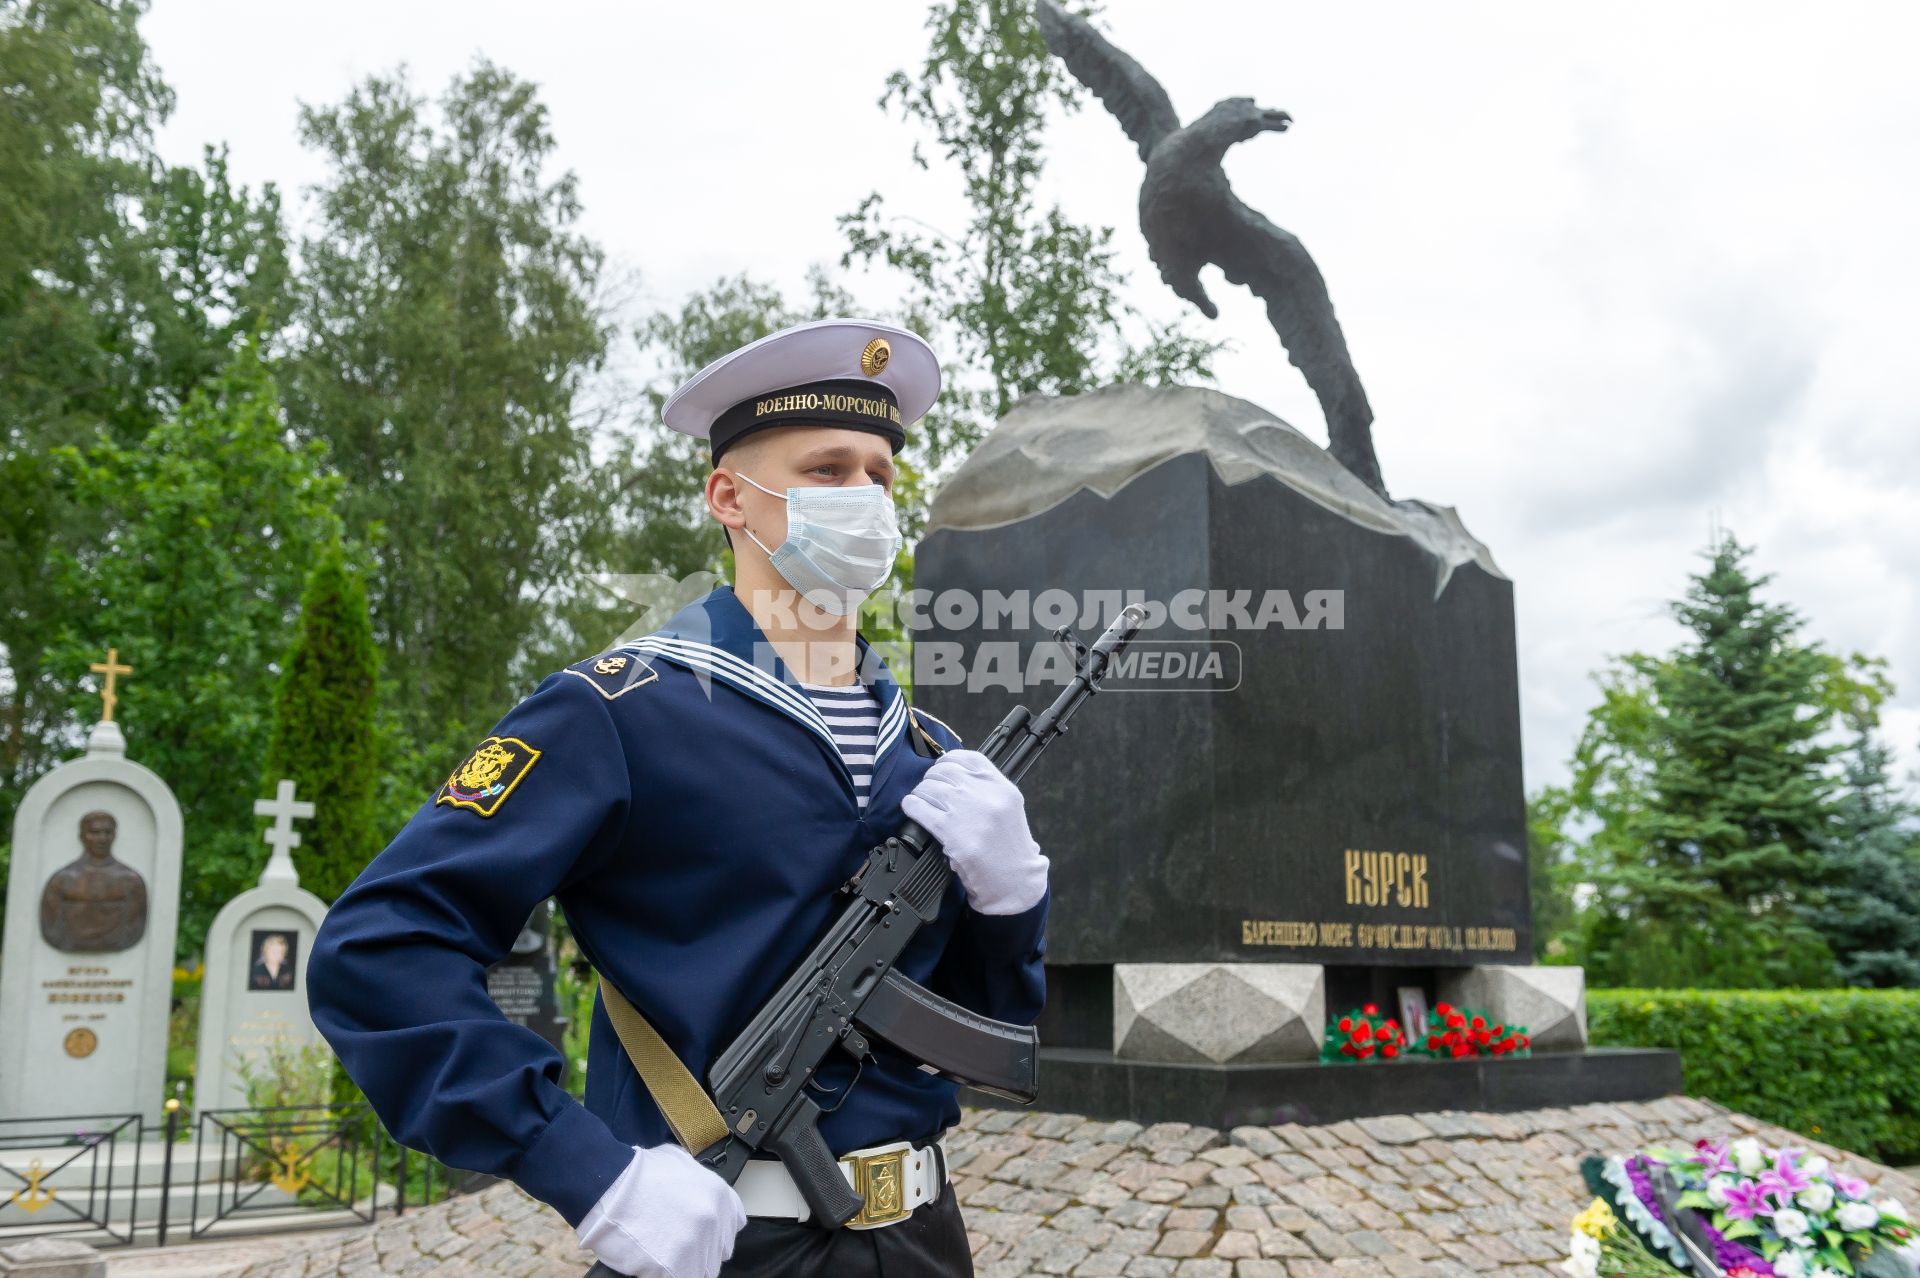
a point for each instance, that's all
(273, 963)
(1413, 1012)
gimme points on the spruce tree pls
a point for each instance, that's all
(1742, 792)
(1707, 775)
(1871, 914)
(323, 726)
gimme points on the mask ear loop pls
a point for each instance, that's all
(741, 474)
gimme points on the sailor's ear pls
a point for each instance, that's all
(723, 500)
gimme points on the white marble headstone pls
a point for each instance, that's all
(251, 1005)
(88, 972)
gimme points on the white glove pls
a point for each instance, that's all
(665, 1216)
(980, 818)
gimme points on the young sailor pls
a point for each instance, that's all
(694, 800)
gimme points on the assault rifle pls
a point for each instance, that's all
(847, 990)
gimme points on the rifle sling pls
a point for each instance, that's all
(690, 1112)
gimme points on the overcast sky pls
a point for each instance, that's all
(1609, 273)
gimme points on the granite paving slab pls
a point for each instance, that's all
(1407, 1196)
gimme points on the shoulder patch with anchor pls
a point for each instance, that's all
(483, 782)
(615, 674)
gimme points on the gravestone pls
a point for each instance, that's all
(1302, 789)
(523, 983)
(253, 994)
(93, 900)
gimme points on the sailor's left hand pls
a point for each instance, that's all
(980, 818)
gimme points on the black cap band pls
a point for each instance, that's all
(848, 402)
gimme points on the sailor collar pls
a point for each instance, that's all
(715, 637)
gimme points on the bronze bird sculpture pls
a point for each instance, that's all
(1191, 218)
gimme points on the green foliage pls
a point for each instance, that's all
(447, 324)
(1843, 1066)
(1702, 795)
(82, 101)
(1026, 298)
(1553, 873)
(124, 284)
(212, 520)
(1870, 915)
(183, 1029)
(323, 727)
(575, 987)
(294, 1133)
(285, 1073)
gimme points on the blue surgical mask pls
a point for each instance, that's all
(840, 543)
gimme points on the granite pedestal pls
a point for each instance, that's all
(1338, 791)
(1098, 1084)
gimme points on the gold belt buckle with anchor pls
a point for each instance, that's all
(879, 1181)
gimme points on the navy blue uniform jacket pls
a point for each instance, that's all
(689, 811)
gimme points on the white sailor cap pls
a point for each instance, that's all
(855, 373)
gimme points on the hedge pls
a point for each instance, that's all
(1842, 1066)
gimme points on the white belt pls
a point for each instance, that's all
(891, 1179)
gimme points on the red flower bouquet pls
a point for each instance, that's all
(1363, 1035)
(1453, 1032)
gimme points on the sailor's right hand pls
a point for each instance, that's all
(665, 1216)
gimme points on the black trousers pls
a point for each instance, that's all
(931, 1243)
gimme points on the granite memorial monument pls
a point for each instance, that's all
(93, 899)
(1308, 794)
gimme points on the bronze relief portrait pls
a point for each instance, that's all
(95, 904)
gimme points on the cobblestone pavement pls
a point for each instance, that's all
(214, 1259)
(1407, 1196)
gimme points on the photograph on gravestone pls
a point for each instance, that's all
(1413, 1010)
(255, 1031)
(275, 954)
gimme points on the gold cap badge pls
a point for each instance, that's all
(873, 360)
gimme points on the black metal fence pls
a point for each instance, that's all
(57, 1175)
(115, 1179)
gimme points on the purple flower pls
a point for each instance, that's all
(1642, 1182)
(1731, 1255)
(1713, 1160)
(1783, 1180)
(1745, 1200)
(1849, 1186)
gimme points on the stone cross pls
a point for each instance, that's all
(110, 667)
(281, 835)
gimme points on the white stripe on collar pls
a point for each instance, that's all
(755, 681)
(731, 670)
(891, 723)
(721, 657)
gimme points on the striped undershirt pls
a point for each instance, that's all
(853, 717)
